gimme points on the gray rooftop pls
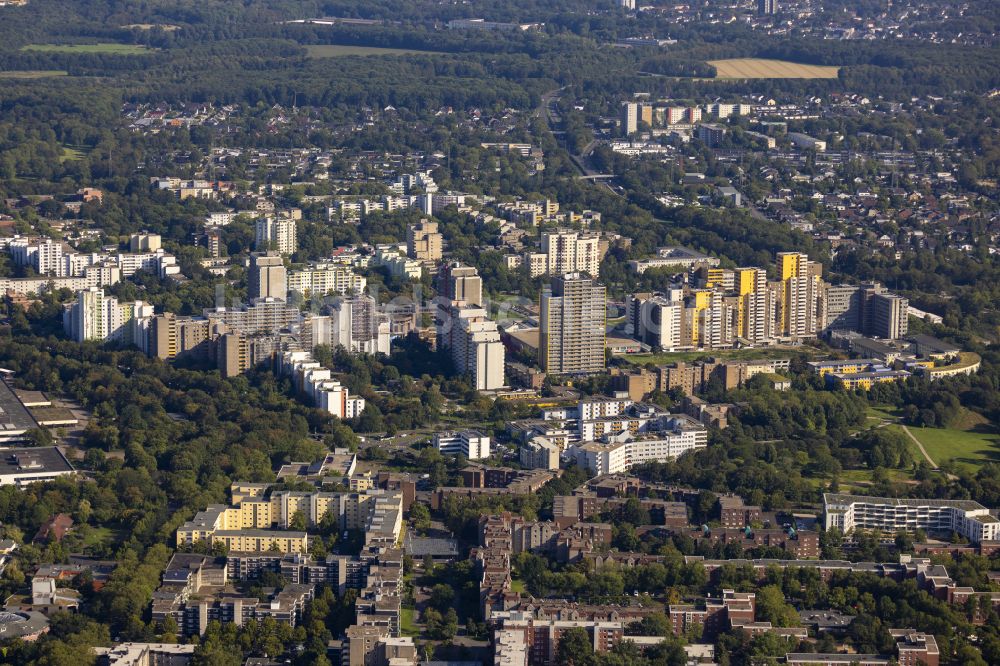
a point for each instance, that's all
(38, 460)
(14, 417)
(840, 498)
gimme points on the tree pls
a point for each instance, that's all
(442, 597)
(371, 420)
(655, 624)
(298, 522)
(575, 648)
(421, 517)
(771, 607)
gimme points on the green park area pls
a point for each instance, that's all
(971, 441)
(970, 448)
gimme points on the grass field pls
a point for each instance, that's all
(759, 68)
(970, 448)
(341, 51)
(33, 74)
(408, 622)
(108, 48)
(516, 585)
(70, 154)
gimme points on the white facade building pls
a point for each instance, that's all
(889, 515)
(474, 342)
(620, 452)
(96, 316)
(315, 381)
(276, 232)
(321, 279)
(473, 444)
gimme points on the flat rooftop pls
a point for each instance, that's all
(14, 416)
(52, 416)
(38, 460)
(839, 498)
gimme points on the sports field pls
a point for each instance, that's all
(108, 48)
(760, 68)
(33, 74)
(341, 51)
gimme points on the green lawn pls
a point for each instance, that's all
(970, 448)
(33, 74)
(517, 585)
(858, 481)
(408, 622)
(340, 51)
(71, 154)
(104, 47)
(882, 413)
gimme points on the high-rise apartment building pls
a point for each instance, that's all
(358, 326)
(262, 316)
(629, 118)
(461, 283)
(573, 325)
(213, 240)
(800, 281)
(267, 277)
(473, 341)
(887, 316)
(144, 242)
(423, 242)
(322, 279)
(45, 255)
(661, 322)
(569, 251)
(767, 7)
(277, 233)
(97, 316)
(753, 306)
(232, 354)
(841, 307)
(171, 336)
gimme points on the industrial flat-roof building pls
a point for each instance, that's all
(15, 419)
(19, 467)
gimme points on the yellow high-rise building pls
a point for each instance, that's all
(799, 290)
(702, 300)
(749, 282)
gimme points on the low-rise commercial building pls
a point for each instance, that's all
(472, 444)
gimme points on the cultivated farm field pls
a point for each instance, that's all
(760, 68)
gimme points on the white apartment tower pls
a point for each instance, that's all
(630, 110)
(276, 233)
(570, 251)
(474, 342)
(97, 316)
